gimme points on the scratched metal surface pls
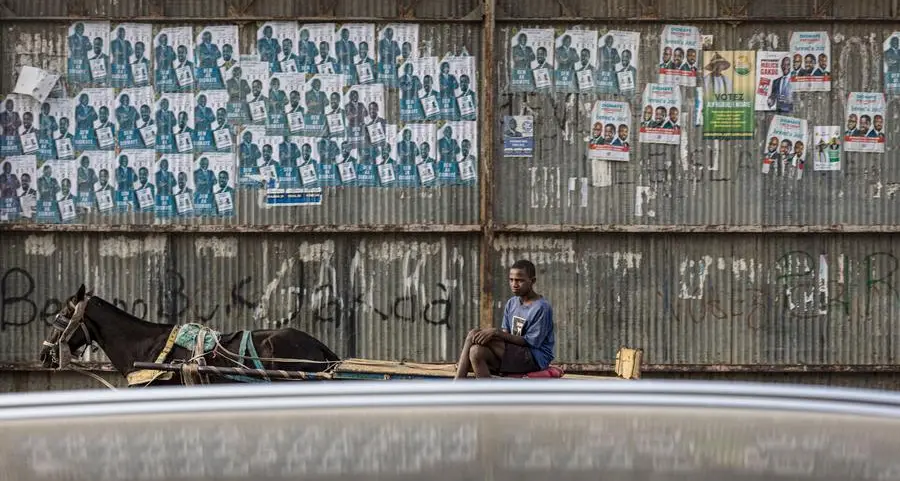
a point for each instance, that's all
(382, 298)
(699, 183)
(717, 299)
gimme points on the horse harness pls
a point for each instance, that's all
(67, 327)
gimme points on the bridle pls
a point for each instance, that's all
(67, 326)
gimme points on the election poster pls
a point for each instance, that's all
(357, 102)
(728, 89)
(18, 130)
(531, 60)
(177, 199)
(55, 126)
(518, 136)
(617, 62)
(212, 131)
(680, 52)
(222, 165)
(123, 176)
(865, 122)
(811, 65)
(892, 64)
(270, 168)
(285, 174)
(18, 197)
(216, 50)
(307, 164)
(409, 151)
(56, 192)
(271, 40)
(95, 128)
(827, 144)
(99, 177)
(414, 106)
(174, 60)
(327, 152)
(346, 164)
(175, 123)
(785, 151)
(164, 182)
(773, 82)
(575, 50)
(282, 88)
(610, 130)
(141, 164)
(318, 92)
(457, 81)
(87, 54)
(244, 104)
(203, 179)
(311, 36)
(250, 155)
(354, 47)
(397, 44)
(385, 158)
(129, 59)
(661, 121)
(91, 163)
(457, 150)
(133, 117)
(324, 61)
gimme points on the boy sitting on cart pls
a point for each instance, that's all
(525, 342)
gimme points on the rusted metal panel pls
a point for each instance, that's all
(385, 297)
(722, 300)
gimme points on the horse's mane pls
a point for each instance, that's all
(129, 317)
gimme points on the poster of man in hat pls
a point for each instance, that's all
(728, 89)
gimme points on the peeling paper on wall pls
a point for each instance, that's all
(601, 173)
(217, 246)
(35, 82)
(40, 245)
(643, 195)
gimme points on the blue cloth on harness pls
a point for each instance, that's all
(248, 350)
(187, 337)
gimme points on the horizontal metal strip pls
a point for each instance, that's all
(649, 229)
(241, 19)
(240, 229)
(695, 20)
(588, 368)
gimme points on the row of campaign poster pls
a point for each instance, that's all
(176, 59)
(188, 184)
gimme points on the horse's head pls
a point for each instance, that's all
(70, 334)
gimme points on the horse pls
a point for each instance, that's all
(89, 321)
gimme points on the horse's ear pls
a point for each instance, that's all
(79, 296)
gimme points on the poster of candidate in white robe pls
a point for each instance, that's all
(270, 41)
(679, 53)
(617, 62)
(129, 57)
(87, 54)
(357, 100)
(281, 87)
(415, 155)
(250, 155)
(785, 151)
(318, 92)
(457, 82)
(413, 105)
(212, 131)
(131, 106)
(570, 45)
(397, 44)
(173, 50)
(773, 83)
(811, 62)
(354, 48)
(172, 179)
(610, 131)
(95, 126)
(18, 125)
(18, 197)
(457, 147)
(217, 50)
(531, 60)
(240, 93)
(865, 122)
(175, 123)
(97, 181)
(56, 192)
(661, 115)
(54, 123)
(892, 64)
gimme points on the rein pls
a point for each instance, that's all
(67, 327)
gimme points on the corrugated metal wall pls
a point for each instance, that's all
(719, 269)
